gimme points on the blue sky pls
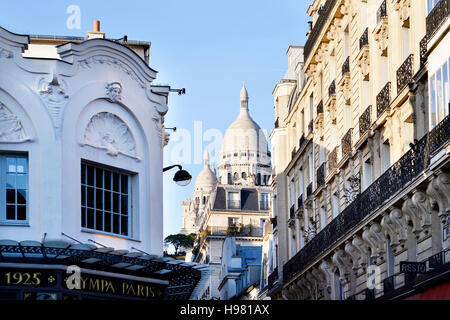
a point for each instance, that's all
(206, 46)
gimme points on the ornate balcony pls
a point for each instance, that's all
(346, 143)
(309, 190)
(365, 121)
(364, 40)
(292, 212)
(384, 99)
(437, 17)
(423, 51)
(320, 107)
(300, 202)
(332, 159)
(396, 178)
(346, 66)
(405, 73)
(332, 88)
(317, 29)
(320, 174)
(382, 12)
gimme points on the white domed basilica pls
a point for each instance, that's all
(233, 205)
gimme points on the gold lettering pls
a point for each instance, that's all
(140, 290)
(94, 284)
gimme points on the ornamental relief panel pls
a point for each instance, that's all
(107, 131)
(404, 10)
(11, 129)
(381, 35)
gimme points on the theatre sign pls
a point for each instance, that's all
(38, 282)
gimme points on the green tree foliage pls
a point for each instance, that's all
(180, 240)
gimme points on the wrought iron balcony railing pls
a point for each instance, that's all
(300, 202)
(365, 121)
(423, 50)
(346, 66)
(248, 231)
(292, 212)
(382, 12)
(332, 88)
(405, 73)
(332, 159)
(320, 175)
(364, 40)
(274, 222)
(318, 27)
(437, 17)
(396, 178)
(273, 277)
(384, 99)
(309, 190)
(320, 107)
(370, 294)
(346, 143)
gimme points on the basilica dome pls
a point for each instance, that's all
(206, 179)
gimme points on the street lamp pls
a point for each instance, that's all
(181, 177)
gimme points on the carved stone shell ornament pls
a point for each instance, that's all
(107, 131)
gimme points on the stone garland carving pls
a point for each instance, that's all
(54, 94)
(107, 131)
(88, 62)
(11, 129)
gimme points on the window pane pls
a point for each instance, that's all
(83, 195)
(446, 89)
(116, 202)
(83, 173)
(10, 196)
(90, 176)
(98, 220)
(90, 197)
(99, 178)
(21, 213)
(124, 225)
(107, 180)
(11, 181)
(83, 217)
(107, 201)
(439, 95)
(10, 212)
(98, 198)
(116, 183)
(107, 222)
(433, 101)
(90, 218)
(116, 222)
(11, 165)
(21, 181)
(21, 165)
(22, 196)
(124, 205)
(124, 184)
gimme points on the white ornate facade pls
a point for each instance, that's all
(70, 105)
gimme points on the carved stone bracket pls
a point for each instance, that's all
(439, 190)
(381, 34)
(364, 63)
(346, 87)
(404, 10)
(418, 208)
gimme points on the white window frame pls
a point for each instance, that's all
(3, 220)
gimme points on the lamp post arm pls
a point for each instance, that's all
(171, 167)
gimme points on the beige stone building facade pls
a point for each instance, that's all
(361, 180)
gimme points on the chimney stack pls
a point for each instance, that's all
(96, 34)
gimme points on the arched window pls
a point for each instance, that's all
(236, 176)
(258, 179)
(230, 180)
(244, 175)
